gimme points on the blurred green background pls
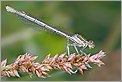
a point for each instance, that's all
(96, 20)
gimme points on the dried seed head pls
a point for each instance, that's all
(26, 63)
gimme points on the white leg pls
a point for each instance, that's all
(74, 45)
(67, 47)
(75, 48)
(83, 52)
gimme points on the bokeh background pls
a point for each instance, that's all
(96, 20)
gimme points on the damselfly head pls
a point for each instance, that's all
(91, 44)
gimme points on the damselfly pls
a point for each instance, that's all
(77, 40)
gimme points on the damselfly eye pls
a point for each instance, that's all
(91, 44)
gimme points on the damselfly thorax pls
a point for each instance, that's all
(78, 40)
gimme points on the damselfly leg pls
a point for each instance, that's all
(75, 47)
(82, 52)
(67, 47)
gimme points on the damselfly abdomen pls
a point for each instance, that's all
(78, 40)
